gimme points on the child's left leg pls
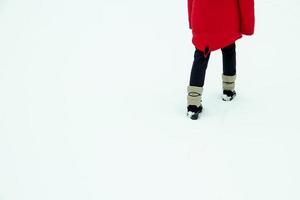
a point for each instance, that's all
(229, 72)
(195, 88)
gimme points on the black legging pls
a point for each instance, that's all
(200, 64)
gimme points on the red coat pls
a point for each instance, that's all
(218, 23)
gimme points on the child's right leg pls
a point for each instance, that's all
(229, 72)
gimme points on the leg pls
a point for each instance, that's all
(198, 71)
(195, 88)
(229, 72)
(229, 60)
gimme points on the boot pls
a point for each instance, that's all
(228, 87)
(194, 99)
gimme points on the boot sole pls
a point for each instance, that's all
(194, 115)
(227, 98)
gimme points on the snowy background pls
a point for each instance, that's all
(93, 105)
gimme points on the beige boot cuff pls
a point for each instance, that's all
(228, 86)
(229, 79)
(194, 96)
(228, 82)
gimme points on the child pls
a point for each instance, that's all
(216, 24)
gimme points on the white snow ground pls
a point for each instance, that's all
(93, 105)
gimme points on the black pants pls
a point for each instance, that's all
(200, 64)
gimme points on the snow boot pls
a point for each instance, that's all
(194, 99)
(228, 87)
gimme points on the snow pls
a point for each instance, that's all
(93, 105)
